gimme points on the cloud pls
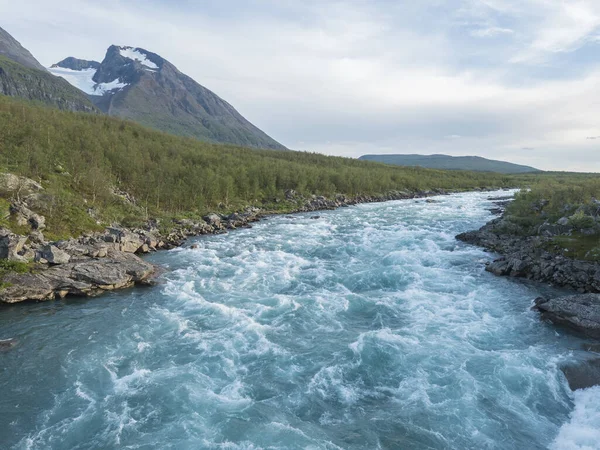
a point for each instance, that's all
(351, 77)
(491, 32)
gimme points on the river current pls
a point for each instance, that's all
(370, 327)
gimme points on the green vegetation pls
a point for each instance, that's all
(446, 162)
(41, 86)
(83, 159)
(576, 246)
(569, 204)
(556, 195)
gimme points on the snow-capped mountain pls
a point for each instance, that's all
(142, 86)
(88, 75)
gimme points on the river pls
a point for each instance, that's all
(370, 327)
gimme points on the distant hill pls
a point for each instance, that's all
(473, 163)
(139, 85)
(21, 75)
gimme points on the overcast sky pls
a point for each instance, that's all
(517, 80)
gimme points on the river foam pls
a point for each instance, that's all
(370, 327)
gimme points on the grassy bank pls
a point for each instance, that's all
(566, 209)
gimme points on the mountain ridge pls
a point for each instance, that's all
(137, 84)
(447, 162)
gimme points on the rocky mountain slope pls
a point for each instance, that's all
(21, 75)
(473, 163)
(13, 50)
(139, 85)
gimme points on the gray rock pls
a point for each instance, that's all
(7, 344)
(582, 375)
(54, 255)
(213, 220)
(85, 278)
(128, 242)
(37, 237)
(564, 221)
(10, 183)
(10, 245)
(578, 312)
(25, 216)
(551, 229)
(499, 267)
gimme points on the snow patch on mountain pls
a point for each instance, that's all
(113, 85)
(83, 80)
(136, 55)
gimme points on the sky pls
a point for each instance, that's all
(516, 80)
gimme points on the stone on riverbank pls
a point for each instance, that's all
(86, 278)
(582, 375)
(577, 312)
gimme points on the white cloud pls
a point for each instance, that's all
(491, 32)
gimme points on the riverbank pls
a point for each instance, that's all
(105, 261)
(531, 257)
(536, 259)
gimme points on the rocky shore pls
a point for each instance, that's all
(529, 256)
(109, 260)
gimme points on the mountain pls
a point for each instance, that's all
(13, 50)
(139, 85)
(473, 163)
(21, 75)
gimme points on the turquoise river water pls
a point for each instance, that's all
(368, 328)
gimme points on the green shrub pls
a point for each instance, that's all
(580, 220)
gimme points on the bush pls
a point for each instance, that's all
(581, 221)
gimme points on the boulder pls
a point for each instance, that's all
(37, 237)
(213, 220)
(10, 245)
(21, 186)
(499, 267)
(128, 242)
(8, 344)
(25, 216)
(583, 374)
(54, 255)
(85, 278)
(28, 286)
(578, 312)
